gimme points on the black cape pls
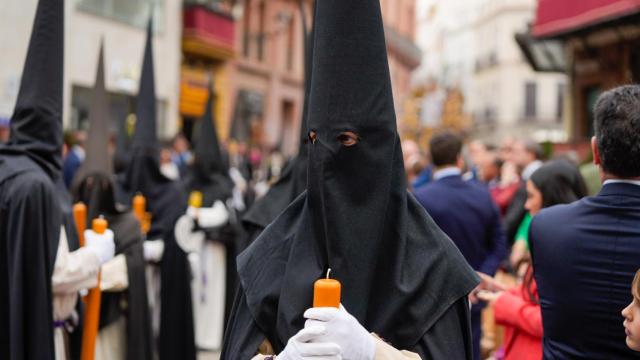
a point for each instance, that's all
(30, 211)
(401, 276)
(166, 202)
(209, 174)
(27, 256)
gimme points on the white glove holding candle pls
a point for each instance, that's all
(102, 245)
(343, 329)
(301, 347)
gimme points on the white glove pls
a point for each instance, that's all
(101, 244)
(343, 329)
(301, 347)
(212, 217)
(152, 250)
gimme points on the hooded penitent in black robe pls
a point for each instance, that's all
(166, 200)
(30, 212)
(93, 185)
(209, 175)
(401, 276)
(293, 180)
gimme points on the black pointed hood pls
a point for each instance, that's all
(399, 272)
(207, 152)
(143, 164)
(92, 183)
(36, 124)
(97, 148)
(209, 173)
(145, 135)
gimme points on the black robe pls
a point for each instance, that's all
(132, 302)
(30, 222)
(30, 212)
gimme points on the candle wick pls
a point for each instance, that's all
(328, 272)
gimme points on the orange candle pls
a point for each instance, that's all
(80, 217)
(326, 292)
(92, 300)
(99, 225)
(139, 206)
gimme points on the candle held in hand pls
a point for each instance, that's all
(326, 292)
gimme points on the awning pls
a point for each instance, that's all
(560, 17)
(542, 55)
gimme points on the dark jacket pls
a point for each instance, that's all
(465, 211)
(585, 255)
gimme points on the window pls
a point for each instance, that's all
(246, 29)
(530, 100)
(290, 44)
(262, 29)
(132, 12)
(560, 102)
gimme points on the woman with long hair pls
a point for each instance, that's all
(518, 309)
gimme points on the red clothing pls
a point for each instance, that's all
(503, 196)
(523, 324)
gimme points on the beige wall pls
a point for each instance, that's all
(124, 47)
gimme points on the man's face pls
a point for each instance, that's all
(521, 156)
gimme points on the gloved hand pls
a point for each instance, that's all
(101, 244)
(212, 217)
(304, 345)
(343, 329)
(152, 250)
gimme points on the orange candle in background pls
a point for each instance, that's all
(80, 217)
(139, 206)
(326, 292)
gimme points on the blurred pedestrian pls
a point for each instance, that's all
(4, 130)
(75, 155)
(465, 211)
(527, 157)
(585, 254)
(168, 168)
(181, 156)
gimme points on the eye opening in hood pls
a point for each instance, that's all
(313, 136)
(348, 138)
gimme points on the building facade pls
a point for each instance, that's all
(254, 49)
(598, 46)
(120, 24)
(470, 46)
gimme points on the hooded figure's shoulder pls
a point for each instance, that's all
(20, 176)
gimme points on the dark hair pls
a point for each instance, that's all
(559, 182)
(445, 148)
(617, 129)
(534, 148)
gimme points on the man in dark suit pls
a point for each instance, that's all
(585, 254)
(465, 211)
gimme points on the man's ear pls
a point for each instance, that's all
(460, 162)
(595, 151)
